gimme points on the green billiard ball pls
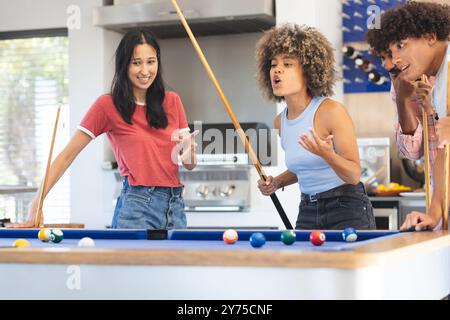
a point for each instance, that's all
(288, 237)
(56, 235)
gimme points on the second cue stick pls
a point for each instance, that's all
(39, 221)
(426, 155)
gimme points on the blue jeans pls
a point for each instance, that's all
(140, 207)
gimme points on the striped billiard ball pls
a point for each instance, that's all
(45, 234)
(349, 234)
(230, 236)
(56, 236)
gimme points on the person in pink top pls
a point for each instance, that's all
(413, 41)
(147, 128)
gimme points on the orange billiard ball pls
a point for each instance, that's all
(230, 236)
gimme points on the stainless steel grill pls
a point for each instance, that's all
(218, 183)
(221, 180)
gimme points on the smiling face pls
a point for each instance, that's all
(142, 70)
(412, 56)
(286, 75)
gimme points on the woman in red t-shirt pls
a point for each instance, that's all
(147, 129)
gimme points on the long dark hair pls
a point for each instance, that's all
(121, 88)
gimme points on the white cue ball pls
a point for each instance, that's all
(86, 242)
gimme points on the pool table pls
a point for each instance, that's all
(197, 264)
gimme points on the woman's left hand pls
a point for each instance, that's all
(320, 147)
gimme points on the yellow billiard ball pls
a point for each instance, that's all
(21, 243)
(45, 234)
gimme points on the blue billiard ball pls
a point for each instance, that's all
(349, 235)
(257, 240)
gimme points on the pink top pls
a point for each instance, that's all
(411, 146)
(148, 156)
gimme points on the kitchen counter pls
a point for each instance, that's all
(403, 205)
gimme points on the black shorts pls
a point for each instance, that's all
(341, 207)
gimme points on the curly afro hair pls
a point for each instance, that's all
(313, 51)
(412, 20)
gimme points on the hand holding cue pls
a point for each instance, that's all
(39, 220)
(426, 154)
(228, 108)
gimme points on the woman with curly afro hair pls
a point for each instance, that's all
(295, 65)
(413, 41)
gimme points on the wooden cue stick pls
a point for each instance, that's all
(39, 221)
(233, 118)
(446, 159)
(426, 155)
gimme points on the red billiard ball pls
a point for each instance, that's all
(317, 238)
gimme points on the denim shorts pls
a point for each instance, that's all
(341, 207)
(141, 207)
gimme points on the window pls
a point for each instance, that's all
(33, 80)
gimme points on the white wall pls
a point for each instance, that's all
(325, 15)
(232, 59)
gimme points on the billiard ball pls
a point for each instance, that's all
(56, 235)
(288, 237)
(20, 243)
(349, 234)
(317, 238)
(257, 240)
(86, 242)
(44, 234)
(230, 236)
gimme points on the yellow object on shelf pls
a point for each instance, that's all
(392, 190)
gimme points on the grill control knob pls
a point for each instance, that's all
(202, 191)
(227, 191)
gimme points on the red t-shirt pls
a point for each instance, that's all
(144, 154)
